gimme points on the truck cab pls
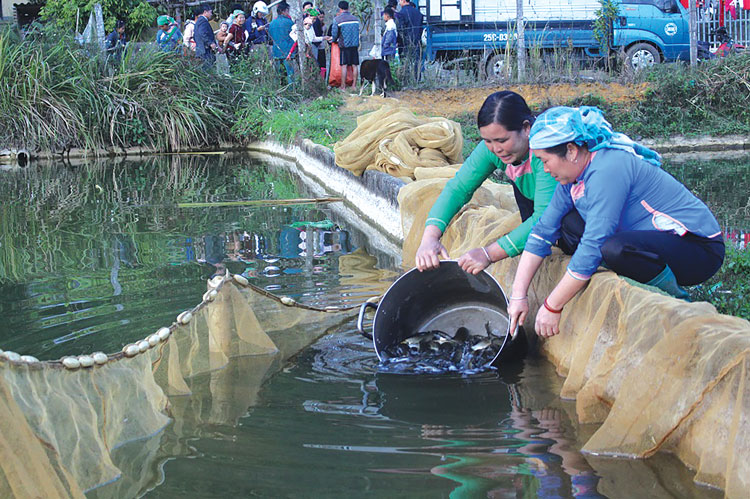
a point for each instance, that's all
(652, 31)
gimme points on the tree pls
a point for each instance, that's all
(137, 14)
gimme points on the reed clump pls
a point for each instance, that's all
(56, 94)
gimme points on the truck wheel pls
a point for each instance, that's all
(496, 68)
(641, 56)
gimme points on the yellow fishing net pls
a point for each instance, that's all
(66, 429)
(396, 141)
(658, 373)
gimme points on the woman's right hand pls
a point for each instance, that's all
(518, 309)
(430, 249)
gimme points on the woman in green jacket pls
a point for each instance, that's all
(504, 122)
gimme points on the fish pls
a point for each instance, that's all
(412, 340)
(437, 351)
(481, 345)
(461, 334)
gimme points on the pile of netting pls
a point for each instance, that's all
(396, 141)
(72, 425)
(659, 374)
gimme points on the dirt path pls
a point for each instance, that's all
(455, 101)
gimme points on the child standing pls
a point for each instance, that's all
(388, 45)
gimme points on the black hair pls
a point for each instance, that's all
(388, 11)
(561, 150)
(505, 108)
(204, 7)
(119, 24)
(282, 7)
(344, 5)
(307, 3)
(392, 4)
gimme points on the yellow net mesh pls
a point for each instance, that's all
(67, 430)
(658, 373)
(396, 141)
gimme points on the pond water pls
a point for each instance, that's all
(93, 257)
(724, 185)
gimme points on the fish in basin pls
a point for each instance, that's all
(438, 351)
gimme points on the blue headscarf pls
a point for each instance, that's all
(584, 125)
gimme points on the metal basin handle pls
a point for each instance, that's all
(361, 319)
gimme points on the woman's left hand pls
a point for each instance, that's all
(474, 261)
(547, 323)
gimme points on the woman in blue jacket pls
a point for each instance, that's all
(639, 221)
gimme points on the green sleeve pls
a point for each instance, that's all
(544, 187)
(458, 191)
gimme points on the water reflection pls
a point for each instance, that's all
(475, 427)
(724, 185)
(96, 256)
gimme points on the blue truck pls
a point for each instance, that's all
(647, 31)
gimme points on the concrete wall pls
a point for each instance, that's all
(7, 8)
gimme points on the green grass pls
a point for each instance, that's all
(468, 122)
(713, 98)
(276, 111)
(729, 288)
(319, 120)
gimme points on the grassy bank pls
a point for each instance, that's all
(713, 99)
(729, 288)
(56, 95)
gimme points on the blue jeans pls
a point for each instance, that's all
(277, 63)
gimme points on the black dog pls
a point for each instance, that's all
(377, 72)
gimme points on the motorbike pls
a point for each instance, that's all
(726, 46)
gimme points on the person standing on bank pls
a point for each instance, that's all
(235, 44)
(345, 31)
(116, 41)
(504, 122)
(256, 26)
(168, 37)
(322, 58)
(205, 43)
(279, 30)
(640, 221)
(388, 45)
(317, 48)
(410, 27)
(188, 35)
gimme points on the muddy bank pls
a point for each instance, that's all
(454, 101)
